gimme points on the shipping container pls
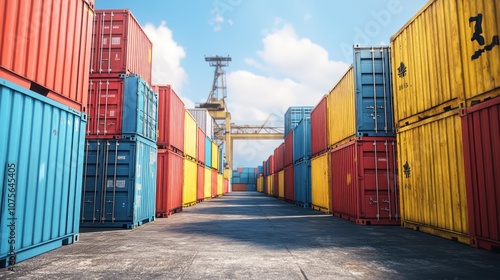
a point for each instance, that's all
(190, 134)
(220, 181)
(279, 157)
(481, 138)
(208, 152)
(270, 165)
(120, 46)
(289, 184)
(239, 187)
(260, 184)
(200, 147)
(225, 186)
(276, 182)
(364, 183)
(215, 178)
(320, 183)
(270, 184)
(251, 187)
(46, 48)
(190, 183)
(119, 183)
(200, 183)
(302, 141)
(302, 183)
(170, 119)
(432, 177)
(294, 115)
(169, 183)
(281, 184)
(341, 110)
(215, 156)
(41, 151)
(319, 143)
(455, 40)
(123, 106)
(204, 120)
(227, 174)
(208, 183)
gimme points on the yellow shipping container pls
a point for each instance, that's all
(432, 182)
(207, 187)
(227, 173)
(442, 57)
(190, 135)
(260, 184)
(281, 184)
(341, 115)
(190, 183)
(215, 156)
(270, 180)
(220, 181)
(320, 183)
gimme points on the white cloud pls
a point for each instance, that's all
(217, 21)
(167, 56)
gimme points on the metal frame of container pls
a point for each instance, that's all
(364, 184)
(46, 48)
(41, 152)
(170, 119)
(169, 183)
(190, 183)
(319, 125)
(119, 183)
(320, 183)
(481, 138)
(432, 177)
(458, 50)
(120, 46)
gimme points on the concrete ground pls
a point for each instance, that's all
(251, 236)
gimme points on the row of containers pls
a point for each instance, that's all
(90, 142)
(245, 178)
(410, 133)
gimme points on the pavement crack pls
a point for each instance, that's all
(191, 261)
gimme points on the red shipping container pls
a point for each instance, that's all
(200, 184)
(225, 186)
(200, 146)
(214, 182)
(105, 108)
(170, 119)
(46, 47)
(264, 165)
(288, 157)
(481, 142)
(289, 183)
(120, 46)
(239, 187)
(276, 189)
(170, 167)
(364, 182)
(270, 162)
(319, 126)
(279, 157)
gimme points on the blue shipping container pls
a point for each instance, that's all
(302, 183)
(260, 169)
(302, 141)
(251, 187)
(294, 115)
(140, 108)
(208, 152)
(119, 183)
(372, 82)
(41, 156)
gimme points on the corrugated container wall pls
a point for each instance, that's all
(294, 115)
(119, 183)
(373, 92)
(214, 183)
(270, 185)
(200, 183)
(302, 141)
(302, 183)
(208, 183)
(288, 150)
(270, 164)
(481, 138)
(289, 183)
(190, 134)
(46, 43)
(431, 173)
(220, 182)
(200, 146)
(41, 152)
(319, 143)
(281, 184)
(169, 183)
(276, 190)
(320, 183)
(189, 187)
(204, 120)
(215, 156)
(170, 119)
(120, 46)
(279, 157)
(260, 184)
(364, 181)
(341, 110)
(455, 40)
(225, 186)
(208, 152)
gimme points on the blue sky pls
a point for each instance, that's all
(284, 52)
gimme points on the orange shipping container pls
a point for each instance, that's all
(46, 47)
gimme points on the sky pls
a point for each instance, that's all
(284, 52)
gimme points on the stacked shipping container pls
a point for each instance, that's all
(302, 163)
(43, 100)
(245, 179)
